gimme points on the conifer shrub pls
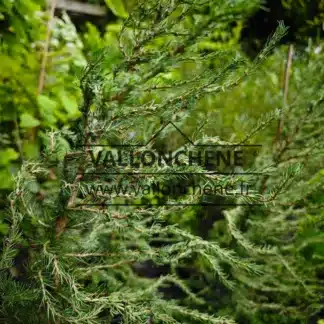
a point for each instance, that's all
(73, 257)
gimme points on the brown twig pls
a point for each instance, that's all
(280, 121)
(285, 90)
(42, 73)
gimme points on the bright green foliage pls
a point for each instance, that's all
(117, 7)
(23, 112)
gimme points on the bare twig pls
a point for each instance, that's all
(42, 74)
(280, 121)
(285, 90)
(288, 70)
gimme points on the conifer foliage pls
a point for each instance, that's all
(64, 262)
(291, 288)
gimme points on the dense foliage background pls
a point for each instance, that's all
(43, 53)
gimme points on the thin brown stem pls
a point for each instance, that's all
(42, 74)
(280, 121)
(285, 90)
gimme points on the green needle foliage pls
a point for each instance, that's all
(63, 262)
(291, 290)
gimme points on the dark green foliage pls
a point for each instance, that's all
(169, 60)
(79, 264)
